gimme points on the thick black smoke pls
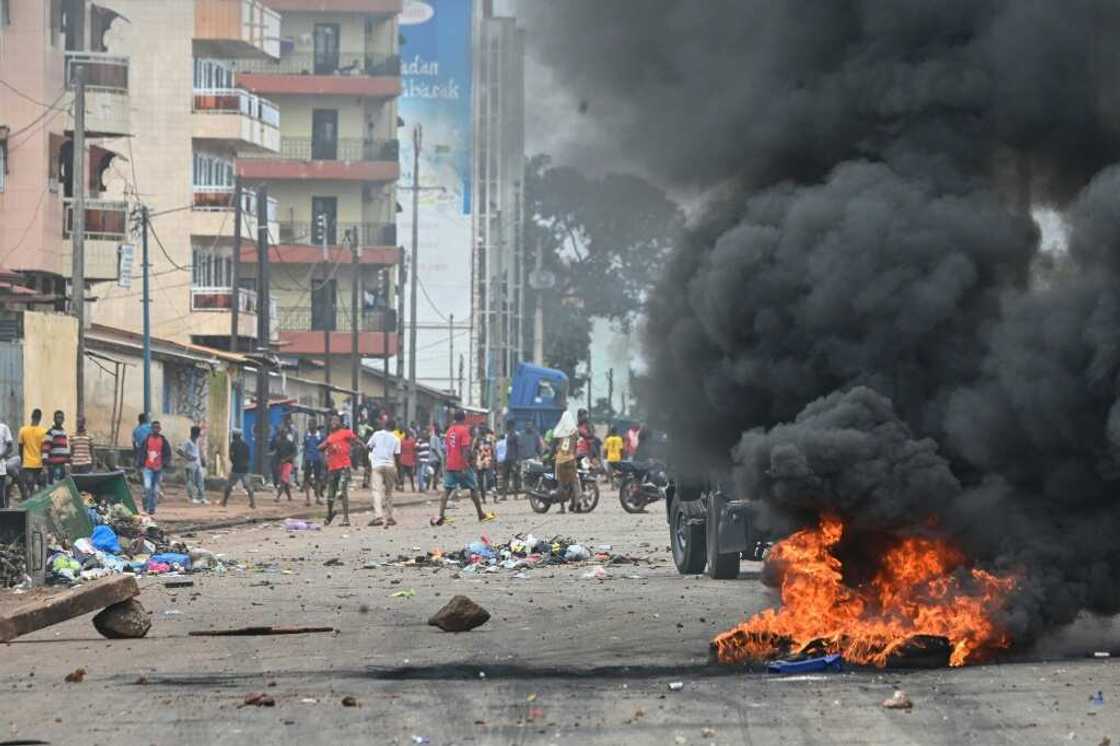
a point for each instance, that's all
(861, 322)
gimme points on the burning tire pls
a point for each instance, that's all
(686, 536)
(721, 566)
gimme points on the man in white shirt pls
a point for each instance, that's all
(6, 446)
(384, 458)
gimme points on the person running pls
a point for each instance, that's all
(384, 459)
(423, 461)
(633, 439)
(31, 450)
(81, 449)
(337, 447)
(157, 457)
(408, 459)
(614, 446)
(238, 468)
(459, 473)
(192, 456)
(564, 437)
(56, 449)
(285, 460)
(313, 464)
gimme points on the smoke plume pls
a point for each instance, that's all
(861, 322)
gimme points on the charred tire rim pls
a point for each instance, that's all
(630, 496)
(538, 505)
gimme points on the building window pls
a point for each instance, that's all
(184, 391)
(210, 269)
(209, 74)
(212, 171)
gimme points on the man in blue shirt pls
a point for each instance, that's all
(313, 464)
(139, 436)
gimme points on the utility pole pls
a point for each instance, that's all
(328, 325)
(235, 302)
(147, 303)
(589, 384)
(538, 311)
(451, 352)
(355, 355)
(610, 390)
(264, 334)
(78, 230)
(384, 293)
(460, 379)
(417, 141)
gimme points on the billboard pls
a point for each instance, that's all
(436, 80)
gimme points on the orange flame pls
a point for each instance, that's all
(921, 587)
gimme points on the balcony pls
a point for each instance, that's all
(212, 213)
(213, 305)
(236, 28)
(346, 159)
(107, 104)
(367, 234)
(236, 117)
(106, 228)
(372, 7)
(301, 332)
(308, 73)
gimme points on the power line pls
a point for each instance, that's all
(36, 120)
(27, 229)
(24, 96)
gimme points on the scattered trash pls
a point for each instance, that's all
(76, 677)
(172, 584)
(309, 701)
(807, 665)
(519, 554)
(1097, 699)
(577, 553)
(708, 733)
(333, 562)
(258, 631)
(676, 686)
(349, 701)
(597, 574)
(258, 699)
(420, 740)
(680, 740)
(407, 593)
(460, 614)
(900, 700)
(531, 698)
(1102, 654)
(294, 524)
(172, 612)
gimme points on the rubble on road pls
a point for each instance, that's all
(125, 620)
(59, 607)
(460, 614)
(900, 700)
(522, 552)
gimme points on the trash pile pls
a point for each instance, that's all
(122, 541)
(522, 552)
(13, 563)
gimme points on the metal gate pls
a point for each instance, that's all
(11, 385)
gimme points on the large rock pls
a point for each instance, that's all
(459, 615)
(66, 605)
(125, 620)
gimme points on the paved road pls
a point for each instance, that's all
(565, 660)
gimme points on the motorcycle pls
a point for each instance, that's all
(641, 484)
(538, 479)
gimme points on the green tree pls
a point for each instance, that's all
(604, 241)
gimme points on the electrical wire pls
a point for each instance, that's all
(24, 96)
(36, 120)
(27, 229)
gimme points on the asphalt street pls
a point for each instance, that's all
(564, 660)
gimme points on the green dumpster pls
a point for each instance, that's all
(110, 486)
(61, 507)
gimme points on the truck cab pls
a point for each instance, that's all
(537, 396)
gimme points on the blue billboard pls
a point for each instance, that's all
(437, 80)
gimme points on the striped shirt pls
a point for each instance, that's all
(56, 448)
(423, 452)
(81, 449)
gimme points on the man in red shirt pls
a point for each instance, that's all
(458, 472)
(157, 457)
(337, 448)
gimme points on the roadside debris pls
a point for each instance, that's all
(460, 614)
(174, 584)
(407, 593)
(900, 700)
(807, 665)
(597, 574)
(76, 677)
(258, 699)
(87, 598)
(349, 701)
(1096, 699)
(523, 552)
(124, 620)
(258, 631)
(294, 524)
(676, 686)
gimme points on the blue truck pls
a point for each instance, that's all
(537, 396)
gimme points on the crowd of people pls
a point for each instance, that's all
(324, 462)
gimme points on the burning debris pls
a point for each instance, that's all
(921, 599)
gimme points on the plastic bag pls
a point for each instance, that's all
(577, 553)
(105, 539)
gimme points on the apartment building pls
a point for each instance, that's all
(41, 42)
(335, 83)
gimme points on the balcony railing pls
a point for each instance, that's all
(306, 319)
(236, 101)
(221, 299)
(106, 72)
(309, 63)
(368, 234)
(343, 149)
(105, 220)
(221, 198)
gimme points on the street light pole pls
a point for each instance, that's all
(417, 140)
(78, 230)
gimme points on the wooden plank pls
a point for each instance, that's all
(84, 599)
(255, 631)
